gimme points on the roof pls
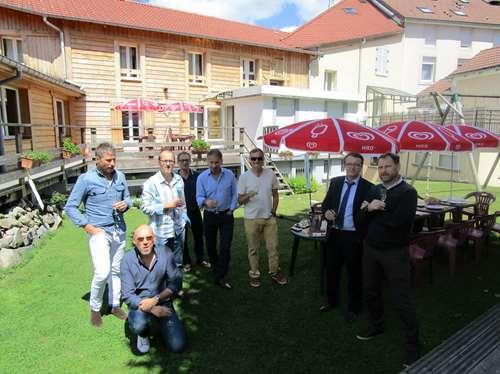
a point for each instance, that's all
(389, 91)
(486, 59)
(5, 61)
(476, 11)
(337, 25)
(440, 86)
(158, 19)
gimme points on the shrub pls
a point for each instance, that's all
(42, 156)
(298, 184)
(199, 145)
(70, 147)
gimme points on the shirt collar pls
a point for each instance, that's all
(174, 180)
(221, 172)
(102, 175)
(139, 258)
(399, 181)
(355, 181)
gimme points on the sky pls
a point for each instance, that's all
(278, 14)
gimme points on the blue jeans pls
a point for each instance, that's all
(176, 245)
(171, 328)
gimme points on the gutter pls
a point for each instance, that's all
(388, 12)
(61, 39)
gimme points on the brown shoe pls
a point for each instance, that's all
(279, 278)
(119, 313)
(95, 319)
(255, 282)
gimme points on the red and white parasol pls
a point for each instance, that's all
(180, 106)
(480, 137)
(138, 105)
(425, 136)
(330, 135)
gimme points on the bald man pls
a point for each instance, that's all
(149, 277)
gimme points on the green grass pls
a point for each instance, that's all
(44, 320)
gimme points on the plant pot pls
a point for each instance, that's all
(26, 163)
(198, 152)
(66, 154)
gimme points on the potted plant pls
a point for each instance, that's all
(286, 154)
(69, 148)
(29, 158)
(199, 146)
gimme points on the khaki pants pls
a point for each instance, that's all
(255, 229)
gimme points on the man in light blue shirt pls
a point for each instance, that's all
(217, 193)
(164, 203)
(105, 196)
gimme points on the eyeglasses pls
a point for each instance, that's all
(167, 161)
(141, 239)
(257, 158)
(353, 165)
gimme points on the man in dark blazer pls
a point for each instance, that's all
(344, 245)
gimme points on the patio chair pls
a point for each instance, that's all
(455, 237)
(496, 226)
(482, 205)
(480, 233)
(421, 249)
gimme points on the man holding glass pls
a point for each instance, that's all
(389, 212)
(163, 201)
(216, 193)
(258, 191)
(104, 193)
(344, 244)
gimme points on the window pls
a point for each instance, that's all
(330, 80)
(248, 75)
(419, 156)
(430, 37)
(130, 125)
(196, 70)
(276, 82)
(129, 62)
(496, 40)
(9, 109)
(425, 10)
(382, 61)
(350, 11)
(428, 71)
(13, 49)
(195, 121)
(459, 12)
(465, 38)
(445, 161)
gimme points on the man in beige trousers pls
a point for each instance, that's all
(258, 191)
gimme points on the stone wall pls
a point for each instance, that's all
(22, 227)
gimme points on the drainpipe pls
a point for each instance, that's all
(317, 57)
(2, 141)
(363, 42)
(61, 39)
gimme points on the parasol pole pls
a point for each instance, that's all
(450, 195)
(306, 173)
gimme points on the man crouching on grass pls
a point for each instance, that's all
(148, 284)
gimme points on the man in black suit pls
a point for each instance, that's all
(344, 245)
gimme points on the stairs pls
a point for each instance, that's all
(284, 187)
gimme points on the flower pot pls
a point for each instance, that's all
(66, 154)
(198, 152)
(26, 163)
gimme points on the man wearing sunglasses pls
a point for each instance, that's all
(163, 201)
(258, 191)
(148, 282)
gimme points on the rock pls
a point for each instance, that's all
(5, 241)
(18, 212)
(48, 220)
(17, 237)
(41, 231)
(27, 238)
(7, 223)
(50, 209)
(57, 221)
(9, 257)
(27, 220)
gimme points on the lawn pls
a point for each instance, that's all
(44, 323)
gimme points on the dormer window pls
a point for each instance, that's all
(350, 11)
(425, 10)
(459, 13)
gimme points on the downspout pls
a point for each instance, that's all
(317, 57)
(61, 39)
(363, 42)
(2, 142)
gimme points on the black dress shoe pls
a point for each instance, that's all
(223, 284)
(350, 317)
(325, 308)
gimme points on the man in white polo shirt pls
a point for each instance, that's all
(258, 191)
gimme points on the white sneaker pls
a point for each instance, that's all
(142, 344)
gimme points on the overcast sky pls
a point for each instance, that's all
(279, 14)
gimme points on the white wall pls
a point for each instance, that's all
(248, 113)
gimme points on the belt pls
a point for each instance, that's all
(217, 212)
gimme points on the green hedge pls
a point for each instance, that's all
(298, 184)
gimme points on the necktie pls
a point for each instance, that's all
(339, 220)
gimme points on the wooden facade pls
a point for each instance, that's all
(93, 62)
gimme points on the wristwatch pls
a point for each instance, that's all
(157, 298)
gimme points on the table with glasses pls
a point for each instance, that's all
(436, 212)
